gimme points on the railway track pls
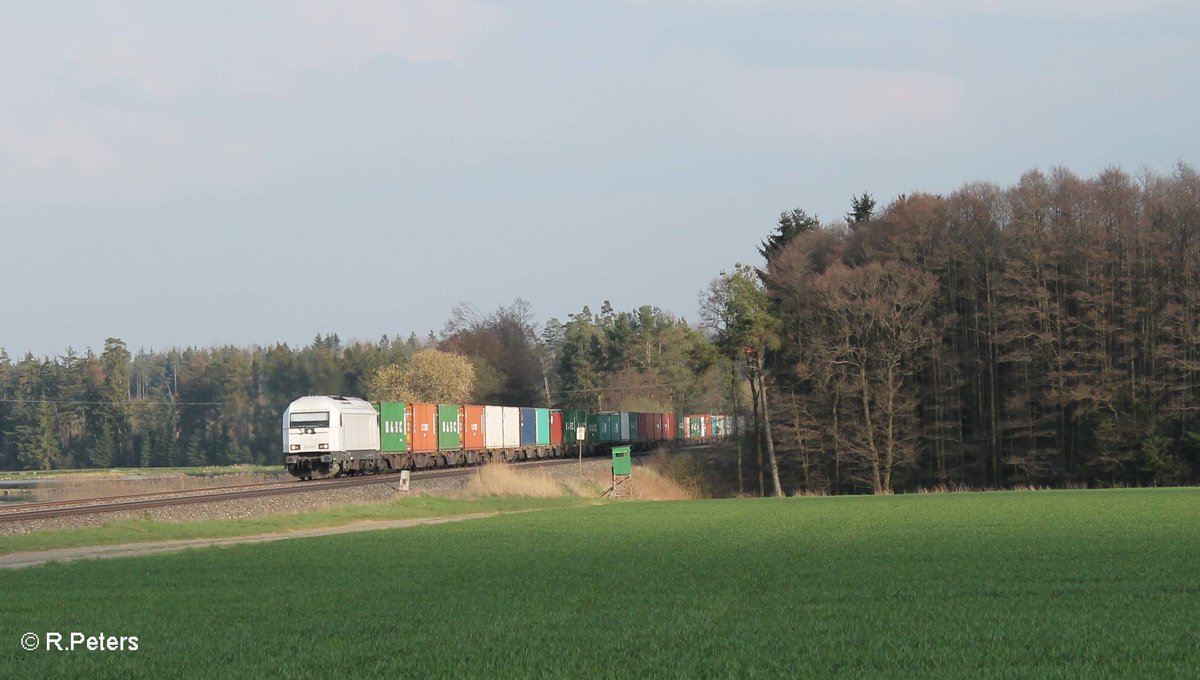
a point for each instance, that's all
(133, 502)
(10, 508)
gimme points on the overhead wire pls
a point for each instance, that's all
(77, 402)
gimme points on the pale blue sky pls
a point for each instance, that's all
(178, 173)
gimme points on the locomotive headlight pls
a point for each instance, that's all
(322, 446)
(295, 447)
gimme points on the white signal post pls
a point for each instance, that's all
(580, 433)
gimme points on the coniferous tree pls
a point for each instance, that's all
(7, 396)
(195, 453)
(37, 445)
(791, 224)
(145, 452)
(862, 209)
(104, 449)
(116, 404)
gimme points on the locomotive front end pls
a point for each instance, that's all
(310, 438)
(329, 436)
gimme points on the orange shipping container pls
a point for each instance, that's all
(472, 428)
(556, 427)
(424, 430)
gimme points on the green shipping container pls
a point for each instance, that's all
(543, 426)
(593, 427)
(610, 427)
(696, 426)
(632, 417)
(573, 419)
(449, 435)
(568, 418)
(393, 427)
(679, 421)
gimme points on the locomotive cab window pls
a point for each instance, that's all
(311, 419)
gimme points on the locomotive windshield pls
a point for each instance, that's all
(309, 419)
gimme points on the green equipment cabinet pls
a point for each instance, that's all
(622, 475)
(622, 461)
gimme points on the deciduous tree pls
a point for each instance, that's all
(737, 308)
(429, 376)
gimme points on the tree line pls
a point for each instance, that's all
(1046, 333)
(200, 406)
(177, 407)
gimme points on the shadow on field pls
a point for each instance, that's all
(655, 478)
(708, 471)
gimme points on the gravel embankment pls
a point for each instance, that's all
(290, 503)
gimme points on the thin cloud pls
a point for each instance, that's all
(835, 104)
(842, 104)
(110, 99)
(1081, 9)
(420, 32)
(245, 50)
(1078, 9)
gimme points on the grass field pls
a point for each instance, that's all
(1052, 584)
(147, 530)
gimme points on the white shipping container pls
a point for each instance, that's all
(493, 427)
(512, 427)
(624, 419)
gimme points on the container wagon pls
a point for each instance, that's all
(330, 436)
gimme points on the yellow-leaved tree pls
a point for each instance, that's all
(429, 376)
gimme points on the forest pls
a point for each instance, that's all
(1042, 334)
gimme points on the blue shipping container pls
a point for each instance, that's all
(528, 427)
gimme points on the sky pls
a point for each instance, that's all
(225, 173)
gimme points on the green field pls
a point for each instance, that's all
(1059, 584)
(150, 530)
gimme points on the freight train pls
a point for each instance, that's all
(331, 436)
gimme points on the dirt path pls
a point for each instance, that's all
(28, 559)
